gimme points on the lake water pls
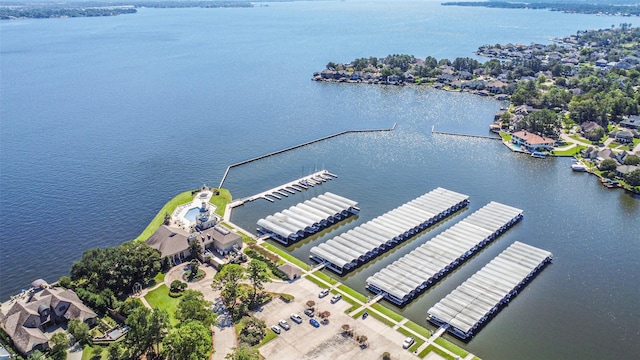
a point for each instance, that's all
(105, 119)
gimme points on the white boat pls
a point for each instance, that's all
(578, 167)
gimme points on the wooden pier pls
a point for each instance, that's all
(224, 177)
(466, 135)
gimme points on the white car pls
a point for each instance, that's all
(275, 329)
(323, 293)
(336, 298)
(284, 324)
(408, 342)
(296, 318)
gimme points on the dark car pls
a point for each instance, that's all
(309, 312)
(314, 322)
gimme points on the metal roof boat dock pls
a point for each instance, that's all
(349, 250)
(307, 218)
(468, 307)
(407, 277)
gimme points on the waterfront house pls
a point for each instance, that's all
(622, 170)
(532, 142)
(34, 316)
(606, 154)
(174, 242)
(590, 153)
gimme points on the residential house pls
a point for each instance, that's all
(633, 122)
(624, 136)
(622, 170)
(591, 130)
(34, 317)
(532, 142)
(174, 242)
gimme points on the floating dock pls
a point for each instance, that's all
(409, 276)
(347, 251)
(297, 185)
(468, 307)
(307, 218)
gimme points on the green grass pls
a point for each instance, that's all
(354, 294)
(159, 278)
(505, 136)
(416, 345)
(451, 347)
(356, 315)
(169, 207)
(268, 337)
(89, 352)
(431, 348)
(580, 139)
(418, 329)
(353, 308)
(316, 281)
(569, 152)
(325, 277)
(159, 298)
(287, 256)
(382, 319)
(221, 200)
(387, 312)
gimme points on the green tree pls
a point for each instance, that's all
(194, 267)
(608, 165)
(36, 355)
(544, 122)
(257, 273)
(253, 331)
(228, 279)
(115, 351)
(159, 326)
(632, 160)
(633, 178)
(59, 343)
(195, 248)
(138, 338)
(243, 352)
(80, 331)
(191, 341)
(193, 307)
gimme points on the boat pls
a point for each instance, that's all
(577, 166)
(537, 154)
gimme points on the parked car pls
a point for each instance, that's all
(336, 298)
(323, 293)
(296, 318)
(309, 312)
(408, 342)
(284, 324)
(275, 329)
(314, 322)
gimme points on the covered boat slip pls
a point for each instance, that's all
(408, 276)
(476, 300)
(307, 218)
(358, 246)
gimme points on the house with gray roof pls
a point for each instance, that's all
(633, 122)
(32, 318)
(623, 170)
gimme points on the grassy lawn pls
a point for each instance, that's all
(270, 336)
(325, 277)
(352, 308)
(169, 207)
(286, 255)
(384, 320)
(580, 139)
(505, 136)
(316, 281)
(451, 347)
(431, 348)
(416, 345)
(159, 298)
(221, 200)
(569, 152)
(159, 278)
(418, 329)
(354, 294)
(94, 352)
(391, 314)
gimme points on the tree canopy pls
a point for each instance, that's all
(191, 341)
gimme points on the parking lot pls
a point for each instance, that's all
(303, 341)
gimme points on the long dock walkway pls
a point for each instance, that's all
(467, 135)
(224, 177)
(304, 183)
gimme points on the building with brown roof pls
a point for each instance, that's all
(29, 321)
(532, 142)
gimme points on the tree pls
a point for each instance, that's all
(191, 341)
(59, 343)
(608, 165)
(193, 307)
(243, 352)
(257, 275)
(544, 122)
(253, 331)
(80, 331)
(193, 268)
(632, 160)
(228, 279)
(36, 355)
(158, 327)
(177, 286)
(633, 178)
(115, 351)
(386, 356)
(195, 248)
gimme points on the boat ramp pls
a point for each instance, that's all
(356, 247)
(468, 307)
(307, 218)
(409, 276)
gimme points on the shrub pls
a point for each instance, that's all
(177, 286)
(386, 356)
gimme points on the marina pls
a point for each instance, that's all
(349, 250)
(468, 307)
(307, 218)
(407, 277)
